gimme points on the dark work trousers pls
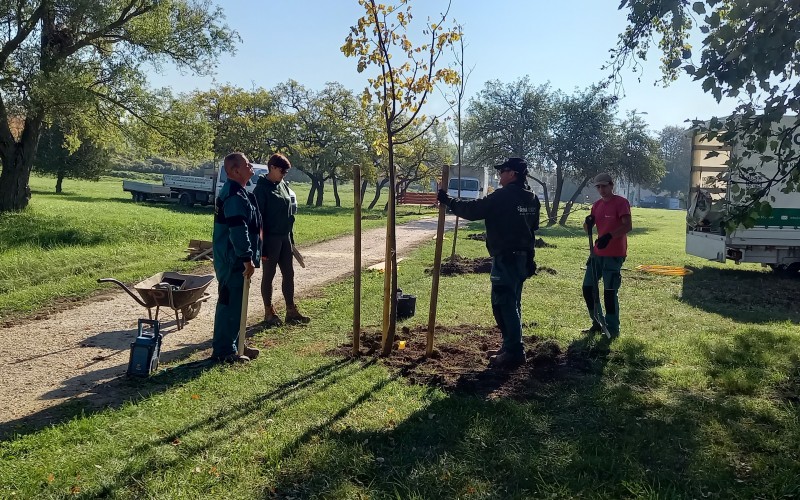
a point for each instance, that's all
(229, 311)
(509, 272)
(278, 253)
(609, 269)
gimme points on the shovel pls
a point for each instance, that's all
(597, 315)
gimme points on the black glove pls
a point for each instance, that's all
(602, 241)
(443, 197)
(589, 221)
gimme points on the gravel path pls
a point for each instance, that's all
(79, 356)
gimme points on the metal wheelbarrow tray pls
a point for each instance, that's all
(184, 293)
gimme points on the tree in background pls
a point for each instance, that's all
(55, 157)
(676, 150)
(324, 143)
(406, 75)
(750, 51)
(244, 120)
(421, 160)
(85, 62)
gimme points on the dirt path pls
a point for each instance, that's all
(74, 358)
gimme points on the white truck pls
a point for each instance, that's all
(714, 192)
(471, 188)
(185, 189)
(190, 189)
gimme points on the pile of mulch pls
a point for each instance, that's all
(460, 363)
(539, 243)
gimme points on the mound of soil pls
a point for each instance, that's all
(464, 265)
(460, 363)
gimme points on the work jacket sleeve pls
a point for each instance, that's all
(474, 209)
(237, 214)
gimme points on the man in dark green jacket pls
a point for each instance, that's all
(512, 216)
(274, 199)
(237, 250)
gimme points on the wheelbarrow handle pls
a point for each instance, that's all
(124, 287)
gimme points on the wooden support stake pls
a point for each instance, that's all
(437, 264)
(356, 259)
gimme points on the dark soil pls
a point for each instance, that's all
(465, 265)
(539, 243)
(461, 365)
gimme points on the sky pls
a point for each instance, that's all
(564, 43)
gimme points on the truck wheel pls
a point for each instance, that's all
(186, 200)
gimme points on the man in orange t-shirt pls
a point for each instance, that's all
(612, 216)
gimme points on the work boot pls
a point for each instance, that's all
(507, 361)
(251, 352)
(595, 328)
(493, 352)
(271, 318)
(232, 358)
(293, 316)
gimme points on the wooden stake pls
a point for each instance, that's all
(437, 264)
(356, 259)
(243, 319)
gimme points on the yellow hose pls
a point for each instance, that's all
(664, 270)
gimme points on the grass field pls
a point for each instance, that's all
(698, 398)
(58, 248)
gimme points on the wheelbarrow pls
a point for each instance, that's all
(183, 293)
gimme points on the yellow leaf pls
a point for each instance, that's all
(195, 396)
(51, 478)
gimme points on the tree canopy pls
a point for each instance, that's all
(749, 51)
(85, 63)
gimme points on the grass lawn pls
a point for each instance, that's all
(697, 399)
(60, 245)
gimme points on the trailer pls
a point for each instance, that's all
(184, 189)
(714, 193)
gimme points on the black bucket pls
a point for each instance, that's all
(406, 306)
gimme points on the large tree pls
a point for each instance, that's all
(748, 50)
(676, 150)
(84, 61)
(58, 157)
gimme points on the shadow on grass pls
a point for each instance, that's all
(70, 196)
(47, 232)
(97, 390)
(606, 434)
(742, 295)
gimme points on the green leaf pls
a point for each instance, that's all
(699, 7)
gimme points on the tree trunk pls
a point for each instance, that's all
(553, 215)
(571, 202)
(363, 189)
(336, 191)
(59, 181)
(546, 195)
(378, 189)
(320, 193)
(17, 158)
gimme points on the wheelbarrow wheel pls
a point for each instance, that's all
(191, 311)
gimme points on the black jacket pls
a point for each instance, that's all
(511, 214)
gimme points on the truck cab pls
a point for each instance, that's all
(470, 188)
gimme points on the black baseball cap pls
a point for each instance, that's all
(518, 165)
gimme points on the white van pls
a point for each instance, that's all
(470, 188)
(258, 169)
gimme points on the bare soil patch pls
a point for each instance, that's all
(460, 363)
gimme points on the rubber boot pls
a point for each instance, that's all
(271, 318)
(293, 316)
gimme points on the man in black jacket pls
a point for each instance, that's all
(512, 216)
